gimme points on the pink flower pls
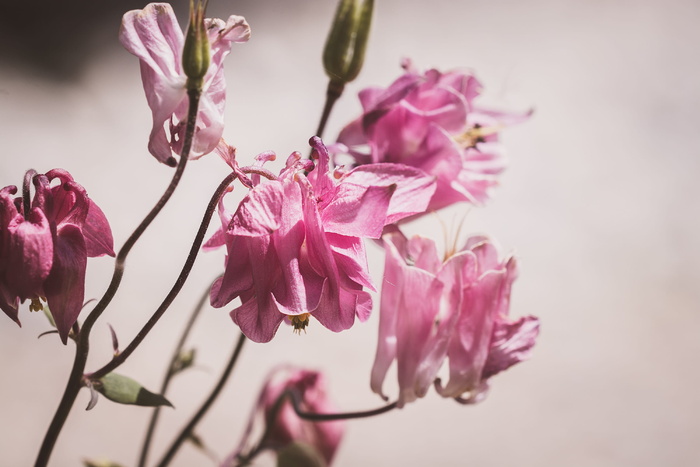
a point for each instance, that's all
(429, 121)
(295, 244)
(154, 36)
(43, 252)
(456, 310)
(285, 426)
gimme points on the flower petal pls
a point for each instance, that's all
(65, 286)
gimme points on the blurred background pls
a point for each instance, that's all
(600, 204)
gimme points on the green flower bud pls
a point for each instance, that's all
(195, 54)
(344, 52)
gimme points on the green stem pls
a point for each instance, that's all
(333, 93)
(169, 375)
(189, 428)
(75, 379)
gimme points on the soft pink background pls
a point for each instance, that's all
(600, 204)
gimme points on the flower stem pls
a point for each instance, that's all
(333, 93)
(169, 375)
(75, 379)
(189, 428)
(175, 290)
(295, 399)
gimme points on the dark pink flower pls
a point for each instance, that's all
(456, 310)
(295, 245)
(154, 36)
(429, 121)
(282, 423)
(43, 252)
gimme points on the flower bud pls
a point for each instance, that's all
(195, 54)
(344, 52)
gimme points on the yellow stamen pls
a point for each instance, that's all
(300, 322)
(476, 134)
(36, 305)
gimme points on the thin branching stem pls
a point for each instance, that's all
(143, 458)
(189, 428)
(75, 379)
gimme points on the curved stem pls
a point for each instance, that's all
(333, 93)
(295, 399)
(175, 290)
(83, 346)
(328, 417)
(169, 375)
(187, 431)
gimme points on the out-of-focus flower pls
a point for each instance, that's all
(429, 121)
(43, 252)
(295, 245)
(154, 36)
(456, 309)
(282, 425)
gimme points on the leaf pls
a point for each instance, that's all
(298, 454)
(124, 390)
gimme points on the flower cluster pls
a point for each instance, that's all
(429, 121)
(153, 35)
(295, 242)
(455, 309)
(44, 246)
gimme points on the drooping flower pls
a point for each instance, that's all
(154, 36)
(429, 121)
(44, 251)
(456, 310)
(295, 245)
(282, 425)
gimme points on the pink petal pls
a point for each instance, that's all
(260, 212)
(29, 254)
(98, 235)
(65, 286)
(358, 211)
(512, 343)
(414, 188)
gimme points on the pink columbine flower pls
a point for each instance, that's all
(457, 310)
(43, 252)
(295, 245)
(429, 121)
(154, 36)
(283, 425)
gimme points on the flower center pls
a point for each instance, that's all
(476, 134)
(300, 322)
(36, 305)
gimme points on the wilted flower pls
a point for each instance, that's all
(154, 36)
(456, 309)
(295, 243)
(429, 121)
(43, 252)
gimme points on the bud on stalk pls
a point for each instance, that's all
(344, 52)
(195, 53)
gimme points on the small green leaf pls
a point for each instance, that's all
(298, 454)
(124, 390)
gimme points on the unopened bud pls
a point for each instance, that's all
(195, 54)
(345, 48)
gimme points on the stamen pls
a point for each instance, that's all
(299, 322)
(36, 305)
(476, 134)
